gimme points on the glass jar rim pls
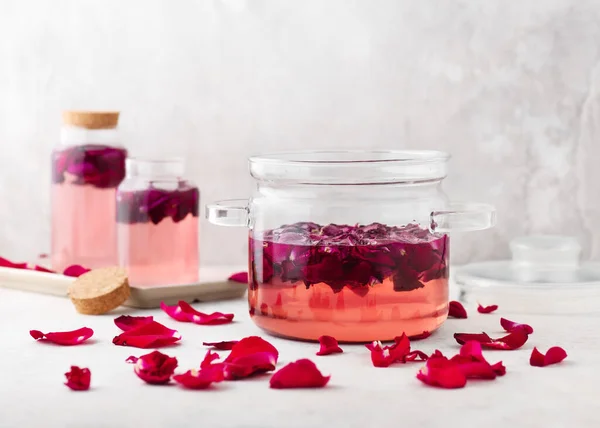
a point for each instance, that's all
(155, 167)
(350, 167)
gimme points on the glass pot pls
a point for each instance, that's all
(157, 223)
(351, 244)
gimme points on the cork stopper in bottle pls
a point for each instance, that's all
(91, 119)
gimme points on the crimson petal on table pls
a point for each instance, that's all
(204, 319)
(440, 372)
(511, 325)
(486, 309)
(128, 322)
(7, 263)
(155, 368)
(64, 338)
(329, 345)
(78, 379)
(384, 356)
(472, 363)
(299, 374)
(554, 355)
(251, 345)
(198, 379)
(174, 312)
(208, 359)
(249, 365)
(416, 356)
(151, 335)
(456, 310)
(225, 345)
(511, 341)
(75, 271)
(241, 277)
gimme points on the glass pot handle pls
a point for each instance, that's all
(463, 217)
(231, 212)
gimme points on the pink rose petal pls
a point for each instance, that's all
(241, 277)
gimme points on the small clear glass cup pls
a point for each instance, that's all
(351, 244)
(157, 223)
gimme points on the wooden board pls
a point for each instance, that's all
(213, 285)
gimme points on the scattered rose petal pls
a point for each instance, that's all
(329, 345)
(150, 335)
(75, 271)
(384, 356)
(174, 312)
(222, 346)
(78, 379)
(241, 277)
(441, 372)
(65, 338)
(248, 365)
(474, 365)
(155, 368)
(456, 310)
(204, 319)
(486, 309)
(251, 345)
(513, 340)
(208, 359)
(128, 322)
(421, 336)
(416, 356)
(131, 359)
(198, 379)
(7, 263)
(42, 269)
(511, 325)
(554, 355)
(299, 374)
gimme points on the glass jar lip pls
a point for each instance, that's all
(350, 166)
(155, 167)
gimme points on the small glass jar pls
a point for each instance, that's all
(87, 167)
(157, 223)
(351, 244)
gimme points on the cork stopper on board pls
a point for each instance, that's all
(91, 119)
(100, 290)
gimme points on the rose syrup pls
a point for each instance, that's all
(355, 283)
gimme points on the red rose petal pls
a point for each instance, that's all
(456, 310)
(174, 312)
(127, 322)
(248, 365)
(7, 263)
(384, 356)
(511, 325)
(198, 379)
(226, 345)
(208, 359)
(75, 271)
(151, 335)
(78, 379)
(42, 269)
(416, 356)
(131, 359)
(65, 338)
(443, 373)
(241, 277)
(155, 368)
(554, 355)
(472, 363)
(421, 336)
(251, 345)
(299, 374)
(204, 319)
(486, 309)
(511, 341)
(329, 345)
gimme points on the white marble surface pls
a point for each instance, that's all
(510, 88)
(32, 392)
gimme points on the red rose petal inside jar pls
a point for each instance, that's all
(64, 338)
(299, 374)
(75, 271)
(554, 355)
(442, 373)
(241, 277)
(225, 345)
(329, 345)
(511, 325)
(456, 310)
(155, 368)
(486, 309)
(174, 312)
(204, 319)
(128, 322)
(151, 335)
(198, 379)
(513, 340)
(78, 379)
